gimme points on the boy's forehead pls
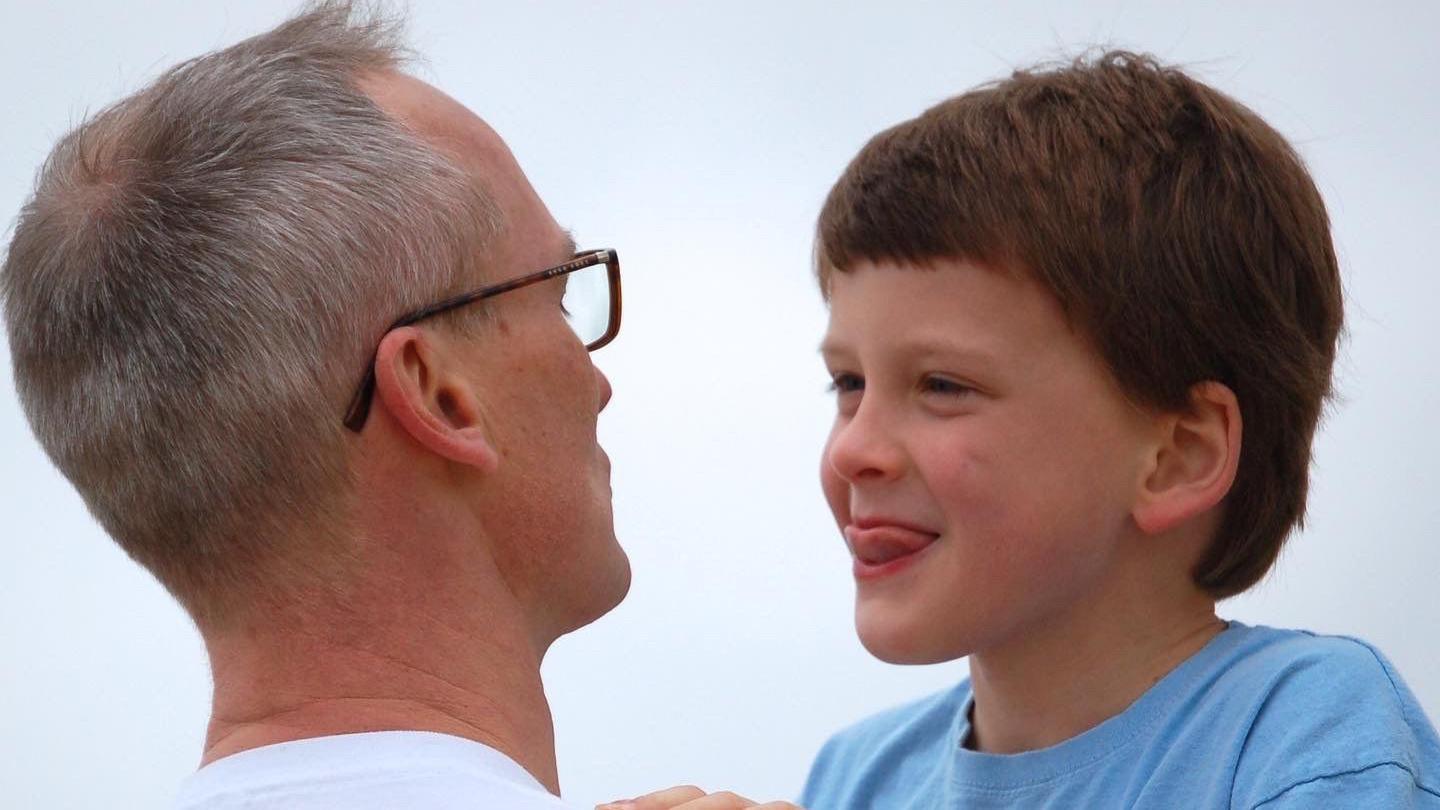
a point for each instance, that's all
(938, 302)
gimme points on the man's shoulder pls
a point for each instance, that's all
(370, 770)
(382, 790)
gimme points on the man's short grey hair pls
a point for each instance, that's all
(197, 283)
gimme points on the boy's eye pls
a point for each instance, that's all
(845, 383)
(944, 387)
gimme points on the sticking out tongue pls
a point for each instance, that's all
(881, 544)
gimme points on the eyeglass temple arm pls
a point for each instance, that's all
(359, 408)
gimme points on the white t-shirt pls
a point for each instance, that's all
(381, 769)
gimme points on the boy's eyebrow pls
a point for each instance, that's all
(940, 347)
(920, 348)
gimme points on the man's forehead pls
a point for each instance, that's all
(450, 127)
(438, 118)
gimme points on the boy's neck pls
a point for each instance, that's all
(1065, 677)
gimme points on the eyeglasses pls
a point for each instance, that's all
(591, 305)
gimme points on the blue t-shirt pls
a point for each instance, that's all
(1259, 718)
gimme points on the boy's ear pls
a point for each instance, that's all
(420, 387)
(1195, 462)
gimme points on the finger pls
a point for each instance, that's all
(724, 800)
(659, 800)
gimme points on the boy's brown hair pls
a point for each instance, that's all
(1180, 233)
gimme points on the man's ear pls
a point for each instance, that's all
(1195, 461)
(422, 391)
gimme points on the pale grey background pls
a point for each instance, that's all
(699, 139)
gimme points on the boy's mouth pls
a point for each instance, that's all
(881, 547)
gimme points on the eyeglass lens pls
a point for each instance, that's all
(587, 302)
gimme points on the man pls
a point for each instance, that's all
(379, 529)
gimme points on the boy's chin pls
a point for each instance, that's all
(894, 640)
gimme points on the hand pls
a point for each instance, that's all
(689, 797)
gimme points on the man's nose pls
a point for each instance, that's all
(863, 447)
(605, 390)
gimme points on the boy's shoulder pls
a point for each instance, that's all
(1296, 708)
(902, 743)
(1263, 671)
(1274, 712)
(1257, 648)
(1271, 670)
(1291, 679)
(922, 719)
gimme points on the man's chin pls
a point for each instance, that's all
(621, 587)
(601, 597)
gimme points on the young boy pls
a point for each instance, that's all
(1082, 324)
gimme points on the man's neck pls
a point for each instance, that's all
(1084, 667)
(476, 677)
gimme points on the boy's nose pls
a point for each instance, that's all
(861, 449)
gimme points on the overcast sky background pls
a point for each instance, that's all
(699, 140)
